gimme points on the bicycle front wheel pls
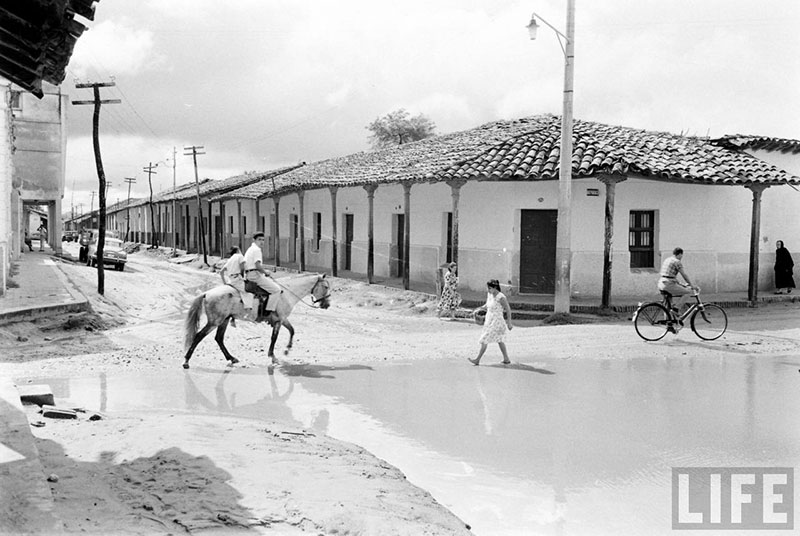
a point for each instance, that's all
(710, 322)
(651, 321)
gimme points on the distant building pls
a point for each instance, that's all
(41, 35)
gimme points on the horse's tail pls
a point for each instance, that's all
(192, 320)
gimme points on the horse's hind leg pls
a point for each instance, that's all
(290, 328)
(276, 327)
(220, 338)
(197, 338)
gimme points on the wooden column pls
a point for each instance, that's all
(370, 188)
(611, 187)
(407, 236)
(300, 197)
(239, 223)
(334, 243)
(275, 232)
(223, 242)
(755, 236)
(455, 192)
(258, 227)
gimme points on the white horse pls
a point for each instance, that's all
(223, 302)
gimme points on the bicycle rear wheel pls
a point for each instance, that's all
(651, 321)
(710, 322)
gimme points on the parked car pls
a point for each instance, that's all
(113, 253)
(69, 236)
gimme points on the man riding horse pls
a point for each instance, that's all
(259, 277)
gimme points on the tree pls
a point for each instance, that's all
(397, 128)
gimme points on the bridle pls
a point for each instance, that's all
(314, 301)
(327, 295)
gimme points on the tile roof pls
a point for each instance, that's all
(528, 149)
(739, 141)
(238, 189)
(525, 149)
(600, 149)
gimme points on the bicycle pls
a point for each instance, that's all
(653, 320)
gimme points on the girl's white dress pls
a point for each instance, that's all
(494, 328)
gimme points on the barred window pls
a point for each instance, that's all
(640, 238)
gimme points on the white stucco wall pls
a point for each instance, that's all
(711, 223)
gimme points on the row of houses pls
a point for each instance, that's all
(487, 198)
(39, 37)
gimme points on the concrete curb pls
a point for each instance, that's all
(26, 503)
(75, 304)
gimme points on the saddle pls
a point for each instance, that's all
(263, 299)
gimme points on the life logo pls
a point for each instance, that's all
(732, 498)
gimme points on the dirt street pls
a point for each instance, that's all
(135, 473)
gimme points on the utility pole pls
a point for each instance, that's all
(91, 208)
(194, 151)
(174, 213)
(150, 170)
(101, 176)
(129, 180)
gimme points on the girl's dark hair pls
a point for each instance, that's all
(234, 250)
(493, 283)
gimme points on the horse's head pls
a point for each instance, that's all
(321, 292)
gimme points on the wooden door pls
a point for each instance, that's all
(348, 241)
(537, 251)
(293, 226)
(399, 244)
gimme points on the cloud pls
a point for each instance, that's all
(113, 49)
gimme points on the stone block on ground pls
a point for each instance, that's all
(59, 413)
(41, 395)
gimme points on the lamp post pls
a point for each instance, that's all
(563, 233)
(174, 187)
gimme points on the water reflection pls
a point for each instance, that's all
(577, 447)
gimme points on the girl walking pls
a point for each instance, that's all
(498, 321)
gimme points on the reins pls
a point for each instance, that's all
(300, 299)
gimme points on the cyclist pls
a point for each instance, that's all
(670, 268)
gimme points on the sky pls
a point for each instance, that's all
(263, 84)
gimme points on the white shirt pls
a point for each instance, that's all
(233, 267)
(251, 256)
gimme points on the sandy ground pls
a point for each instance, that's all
(148, 473)
(165, 474)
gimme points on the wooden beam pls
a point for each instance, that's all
(370, 188)
(755, 236)
(275, 232)
(301, 196)
(334, 243)
(455, 193)
(407, 236)
(611, 187)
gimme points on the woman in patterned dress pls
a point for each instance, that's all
(494, 328)
(451, 299)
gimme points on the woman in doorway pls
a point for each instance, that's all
(451, 299)
(783, 269)
(498, 321)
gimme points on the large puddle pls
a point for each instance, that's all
(553, 447)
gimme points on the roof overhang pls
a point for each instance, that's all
(37, 38)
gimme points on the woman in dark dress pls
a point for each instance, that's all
(783, 269)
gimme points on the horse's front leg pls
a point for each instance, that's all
(276, 327)
(289, 327)
(220, 341)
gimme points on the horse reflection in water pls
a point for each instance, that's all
(222, 303)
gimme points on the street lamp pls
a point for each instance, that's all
(563, 233)
(174, 215)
